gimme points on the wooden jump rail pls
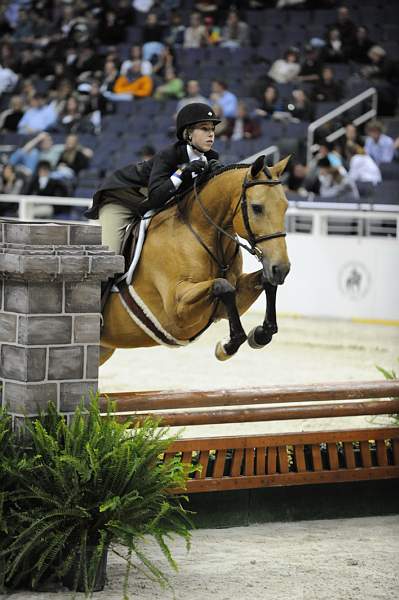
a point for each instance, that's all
(243, 462)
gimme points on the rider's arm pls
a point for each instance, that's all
(164, 179)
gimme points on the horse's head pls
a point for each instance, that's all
(261, 217)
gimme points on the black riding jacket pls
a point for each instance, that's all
(153, 174)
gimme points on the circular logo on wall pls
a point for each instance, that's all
(354, 280)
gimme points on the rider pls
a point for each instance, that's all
(137, 188)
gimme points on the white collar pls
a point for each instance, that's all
(195, 154)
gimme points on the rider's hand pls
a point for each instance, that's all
(196, 166)
(214, 165)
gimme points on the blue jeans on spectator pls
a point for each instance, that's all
(29, 160)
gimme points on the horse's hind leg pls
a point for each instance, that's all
(226, 293)
(105, 354)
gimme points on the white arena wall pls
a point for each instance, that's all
(339, 275)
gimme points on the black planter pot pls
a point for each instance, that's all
(100, 576)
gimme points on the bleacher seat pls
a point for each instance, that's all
(387, 192)
(390, 171)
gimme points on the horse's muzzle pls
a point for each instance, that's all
(276, 273)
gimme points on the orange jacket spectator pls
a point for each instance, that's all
(133, 82)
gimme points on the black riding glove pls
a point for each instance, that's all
(214, 165)
(196, 166)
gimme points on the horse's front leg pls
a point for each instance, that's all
(262, 335)
(226, 293)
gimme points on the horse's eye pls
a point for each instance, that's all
(257, 208)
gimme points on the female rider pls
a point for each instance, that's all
(133, 190)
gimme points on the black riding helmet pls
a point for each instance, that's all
(193, 113)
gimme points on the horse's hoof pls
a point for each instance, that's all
(221, 353)
(258, 338)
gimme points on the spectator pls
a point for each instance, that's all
(193, 94)
(378, 145)
(270, 102)
(125, 12)
(299, 106)
(10, 118)
(111, 29)
(152, 37)
(32, 61)
(298, 179)
(175, 36)
(111, 74)
(351, 136)
(27, 90)
(61, 73)
(136, 53)
(165, 59)
(213, 33)
(42, 184)
(8, 79)
(24, 32)
(312, 64)
(359, 48)
(379, 66)
(60, 95)
(235, 32)
(345, 26)
(195, 35)
(226, 100)
(327, 89)
(39, 148)
(7, 55)
(362, 169)
(133, 83)
(95, 106)
(80, 32)
(5, 26)
(12, 181)
(333, 182)
(383, 73)
(243, 126)
(40, 116)
(332, 152)
(86, 63)
(70, 118)
(334, 49)
(74, 158)
(173, 88)
(286, 69)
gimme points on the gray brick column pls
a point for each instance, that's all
(50, 288)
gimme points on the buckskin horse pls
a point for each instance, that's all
(190, 270)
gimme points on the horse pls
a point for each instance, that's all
(190, 270)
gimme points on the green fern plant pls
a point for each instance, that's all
(389, 375)
(87, 486)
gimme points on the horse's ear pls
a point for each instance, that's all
(279, 168)
(257, 166)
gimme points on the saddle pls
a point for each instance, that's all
(129, 244)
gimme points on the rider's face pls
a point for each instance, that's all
(203, 136)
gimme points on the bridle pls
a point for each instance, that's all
(243, 203)
(253, 240)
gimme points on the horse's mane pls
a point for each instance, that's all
(200, 182)
(206, 177)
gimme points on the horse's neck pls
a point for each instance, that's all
(219, 198)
